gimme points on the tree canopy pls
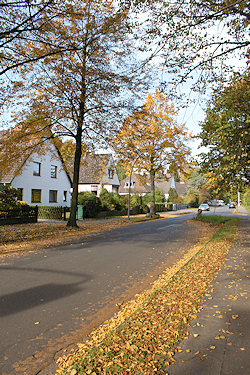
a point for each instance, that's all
(196, 38)
(85, 91)
(152, 141)
(226, 133)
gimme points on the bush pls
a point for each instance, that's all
(170, 206)
(9, 197)
(111, 201)
(91, 204)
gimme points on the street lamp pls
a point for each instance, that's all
(131, 170)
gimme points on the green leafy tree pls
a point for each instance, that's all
(226, 133)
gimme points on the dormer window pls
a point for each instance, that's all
(111, 173)
(36, 169)
(132, 184)
(53, 171)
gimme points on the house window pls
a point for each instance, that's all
(111, 173)
(94, 189)
(65, 194)
(36, 169)
(53, 196)
(53, 171)
(21, 193)
(132, 184)
(36, 195)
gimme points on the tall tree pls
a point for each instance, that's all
(85, 91)
(226, 133)
(197, 39)
(152, 141)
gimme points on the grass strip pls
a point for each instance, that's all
(143, 337)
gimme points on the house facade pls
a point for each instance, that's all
(143, 188)
(97, 172)
(42, 179)
(136, 186)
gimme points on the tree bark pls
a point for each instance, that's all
(77, 161)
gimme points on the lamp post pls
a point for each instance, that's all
(131, 170)
(129, 188)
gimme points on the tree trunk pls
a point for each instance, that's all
(74, 198)
(152, 184)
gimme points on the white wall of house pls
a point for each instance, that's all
(54, 191)
(109, 181)
(95, 188)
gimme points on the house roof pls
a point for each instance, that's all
(8, 178)
(182, 188)
(138, 187)
(164, 185)
(92, 168)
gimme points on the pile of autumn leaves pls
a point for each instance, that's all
(147, 340)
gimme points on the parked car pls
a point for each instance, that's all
(232, 205)
(221, 202)
(204, 207)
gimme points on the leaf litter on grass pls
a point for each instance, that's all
(143, 336)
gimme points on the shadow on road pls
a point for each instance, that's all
(39, 295)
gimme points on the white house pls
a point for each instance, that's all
(42, 179)
(97, 172)
(145, 187)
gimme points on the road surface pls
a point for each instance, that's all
(54, 298)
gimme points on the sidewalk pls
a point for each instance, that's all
(218, 340)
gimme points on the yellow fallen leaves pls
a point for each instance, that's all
(19, 237)
(143, 336)
(235, 316)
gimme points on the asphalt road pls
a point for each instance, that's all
(54, 298)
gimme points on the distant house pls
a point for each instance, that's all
(182, 188)
(144, 187)
(41, 179)
(166, 184)
(97, 172)
(136, 186)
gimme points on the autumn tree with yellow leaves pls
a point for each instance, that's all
(84, 91)
(152, 141)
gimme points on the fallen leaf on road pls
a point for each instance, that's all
(235, 316)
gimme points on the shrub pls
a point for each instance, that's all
(9, 197)
(90, 202)
(170, 206)
(111, 201)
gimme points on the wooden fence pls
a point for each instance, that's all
(20, 215)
